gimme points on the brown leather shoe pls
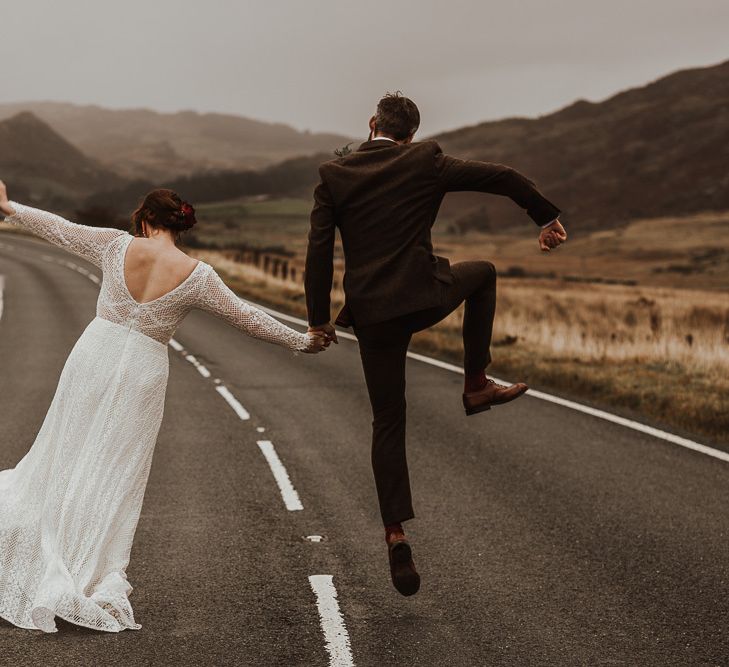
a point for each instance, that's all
(405, 577)
(492, 394)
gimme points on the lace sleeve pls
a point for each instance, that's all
(88, 242)
(217, 298)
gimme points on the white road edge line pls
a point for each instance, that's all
(332, 623)
(232, 401)
(288, 492)
(2, 291)
(543, 396)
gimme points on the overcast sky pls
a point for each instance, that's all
(322, 64)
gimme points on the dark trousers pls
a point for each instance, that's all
(383, 348)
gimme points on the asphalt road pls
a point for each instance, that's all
(544, 536)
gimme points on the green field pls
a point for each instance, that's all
(257, 222)
(690, 252)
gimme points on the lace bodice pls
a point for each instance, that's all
(158, 319)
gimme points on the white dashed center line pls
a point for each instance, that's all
(332, 623)
(288, 492)
(200, 368)
(2, 290)
(232, 401)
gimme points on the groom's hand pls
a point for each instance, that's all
(330, 333)
(552, 236)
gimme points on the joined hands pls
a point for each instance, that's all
(324, 335)
(321, 337)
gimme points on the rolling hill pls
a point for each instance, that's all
(40, 166)
(139, 143)
(658, 150)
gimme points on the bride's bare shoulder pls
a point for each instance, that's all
(148, 252)
(188, 262)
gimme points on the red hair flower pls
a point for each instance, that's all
(188, 214)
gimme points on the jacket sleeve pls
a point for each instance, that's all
(320, 257)
(217, 298)
(87, 242)
(456, 175)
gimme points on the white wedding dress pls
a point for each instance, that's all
(69, 509)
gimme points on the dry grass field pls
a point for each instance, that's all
(657, 347)
(689, 252)
(659, 352)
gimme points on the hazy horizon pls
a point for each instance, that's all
(353, 134)
(323, 65)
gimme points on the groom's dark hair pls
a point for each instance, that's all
(397, 116)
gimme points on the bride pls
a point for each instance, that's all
(69, 509)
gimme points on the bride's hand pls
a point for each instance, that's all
(317, 342)
(5, 207)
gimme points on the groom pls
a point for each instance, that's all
(384, 198)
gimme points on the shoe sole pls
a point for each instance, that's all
(475, 411)
(483, 408)
(409, 583)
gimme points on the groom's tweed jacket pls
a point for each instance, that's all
(384, 197)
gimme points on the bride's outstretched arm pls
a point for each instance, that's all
(217, 298)
(88, 242)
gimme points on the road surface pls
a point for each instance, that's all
(544, 536)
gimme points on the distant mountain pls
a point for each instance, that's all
(661, 149)
(291, 178)
(43, 167)
(139, 143)
(658, 150)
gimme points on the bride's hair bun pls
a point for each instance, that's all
(164, 208)
(182, 219)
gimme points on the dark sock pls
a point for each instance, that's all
(474, 381)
